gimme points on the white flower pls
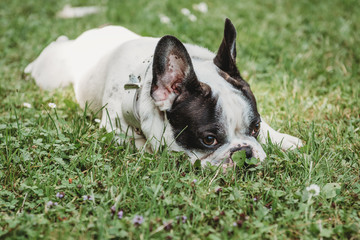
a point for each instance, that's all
(97, 120)
(77, 12)
(52, 105)
(164, 19)
(313, 189)
(27, 105)
(192, 17)
(201, 7)
(185, 11)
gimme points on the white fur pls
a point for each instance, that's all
(285, 141)
(98, 63)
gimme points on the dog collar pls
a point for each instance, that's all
(130, 106)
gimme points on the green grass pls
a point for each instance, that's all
(302, 61)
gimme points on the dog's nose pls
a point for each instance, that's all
(247, 149)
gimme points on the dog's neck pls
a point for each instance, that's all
(130, 104)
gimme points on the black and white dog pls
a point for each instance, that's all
(166, 92)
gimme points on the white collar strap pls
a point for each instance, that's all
(129, 105)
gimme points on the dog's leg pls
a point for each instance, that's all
(123, 132)
(285, 141)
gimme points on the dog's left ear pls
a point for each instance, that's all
(226, 55)
(173, 73)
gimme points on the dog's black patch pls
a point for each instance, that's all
(195, 117)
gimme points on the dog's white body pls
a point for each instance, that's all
(98, 64)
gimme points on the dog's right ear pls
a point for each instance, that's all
(173, 72)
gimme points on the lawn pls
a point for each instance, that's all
(64, 178)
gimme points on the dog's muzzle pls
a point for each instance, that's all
(248, 151)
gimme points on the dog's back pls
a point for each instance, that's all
(66, 61)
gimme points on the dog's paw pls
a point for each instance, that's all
(288, 142)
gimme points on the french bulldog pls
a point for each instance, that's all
(162, 92)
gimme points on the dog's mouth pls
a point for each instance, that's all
(238, 155)
(238, 159)
(228, 164)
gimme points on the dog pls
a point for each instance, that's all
(163, 91)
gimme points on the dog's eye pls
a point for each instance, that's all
(255, 131)
(210, 140)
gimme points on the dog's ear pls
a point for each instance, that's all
(226, 55)
(173, 73)
(226, 60)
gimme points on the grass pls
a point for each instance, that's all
(302, 61)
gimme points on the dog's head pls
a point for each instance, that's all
(211, 109)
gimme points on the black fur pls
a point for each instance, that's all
(193, 118)
(225, 60)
